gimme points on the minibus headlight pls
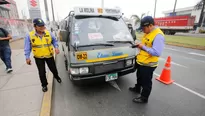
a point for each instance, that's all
(128, 62)
(83, 70)
(74, 71)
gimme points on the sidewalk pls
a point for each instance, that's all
(20, 91)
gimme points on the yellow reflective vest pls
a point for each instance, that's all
(144, 58)
(41, 48)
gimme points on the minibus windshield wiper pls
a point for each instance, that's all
(96, 44)
(131, 42)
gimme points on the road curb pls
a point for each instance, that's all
(47, 97)
(186, 45)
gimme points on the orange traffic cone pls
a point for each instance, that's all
(165, 76)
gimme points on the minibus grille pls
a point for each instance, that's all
(109, 67)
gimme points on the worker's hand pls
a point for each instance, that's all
(140, 45)
(28, 61)
(57, 51)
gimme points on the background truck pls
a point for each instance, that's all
(172, 24)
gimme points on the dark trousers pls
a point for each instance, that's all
(5, 55)
(144, 79)
(40, 62)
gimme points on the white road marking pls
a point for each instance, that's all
(162, 59)
(114, 84)
(193, 59)
(172, 49)
(156, 74)
(191, 91)
(178, 64)
(175, 50)
(193, 53)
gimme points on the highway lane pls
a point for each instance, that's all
(187, 52)
(187, 69)
(102, 99)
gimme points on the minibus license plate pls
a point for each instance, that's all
(111, 77)
(82, 56)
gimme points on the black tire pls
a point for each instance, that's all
(173, 33)
(168, 32)
(66, 65)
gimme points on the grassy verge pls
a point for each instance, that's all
(183, 41)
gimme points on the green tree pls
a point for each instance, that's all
(136, 18)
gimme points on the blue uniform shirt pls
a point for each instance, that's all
(27, 44)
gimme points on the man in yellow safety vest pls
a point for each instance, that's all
(151, 47)
(41, 42)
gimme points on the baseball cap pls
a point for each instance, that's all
(38, 22)
(146, 21)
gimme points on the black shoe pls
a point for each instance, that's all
(45, 89)
(59, 80)
(135, 89)
(140, 99)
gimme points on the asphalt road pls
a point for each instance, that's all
(183, 98)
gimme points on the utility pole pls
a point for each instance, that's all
(102, 3)
(155, 7)
(52, 10)
(46, 9)
(174, 7)
(202, 23)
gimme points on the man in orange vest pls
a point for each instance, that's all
(151, 48)
(41, 42)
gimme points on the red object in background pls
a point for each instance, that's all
(33, 3)
(175, 21)
(173, 24)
